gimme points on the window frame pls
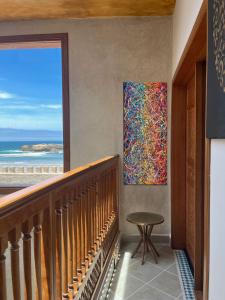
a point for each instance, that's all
(46, 41)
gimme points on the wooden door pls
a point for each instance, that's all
(190, 169)
(195, 162)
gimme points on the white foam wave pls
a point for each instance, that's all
(24, 154)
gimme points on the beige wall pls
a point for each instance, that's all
(102, 54)
(185, 14)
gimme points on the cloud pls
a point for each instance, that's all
(52, 106)
(26, 107)
(5, 95)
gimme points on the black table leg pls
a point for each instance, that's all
(145, 233)
(151, 245)
(140, 242)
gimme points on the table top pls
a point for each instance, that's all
(145, 218)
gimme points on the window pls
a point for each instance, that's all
(34, 109)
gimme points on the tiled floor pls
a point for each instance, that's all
(150, 281)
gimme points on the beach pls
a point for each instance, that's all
(25, 163)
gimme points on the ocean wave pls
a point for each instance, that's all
(24, 154)
(10, 151)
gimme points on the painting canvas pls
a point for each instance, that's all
(216, 70)
(145, 133)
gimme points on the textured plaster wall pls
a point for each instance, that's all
(102, 54)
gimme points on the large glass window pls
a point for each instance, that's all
(31, 115)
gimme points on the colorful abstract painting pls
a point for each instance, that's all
(145, 133)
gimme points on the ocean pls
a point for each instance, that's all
(11, 154)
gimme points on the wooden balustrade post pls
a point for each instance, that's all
(65, 280)
(71, 242)
(58, 225)
(14, 237)
(3, 247)
(37, 254)
(98, 214)
(76, 243)
(79, 236)
(26, 229)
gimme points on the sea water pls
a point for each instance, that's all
(12, 155)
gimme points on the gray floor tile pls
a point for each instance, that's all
(149, 293)
(144, 272)
(181, 297)
(124, 286)
(166, 258)
(128, 247)
(167, 283)
(173, 269)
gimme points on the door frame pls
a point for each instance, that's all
(194, 53)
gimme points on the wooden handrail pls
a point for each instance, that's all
(68, 224)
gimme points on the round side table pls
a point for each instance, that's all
(145, 222)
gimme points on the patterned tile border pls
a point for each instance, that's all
(185, 275)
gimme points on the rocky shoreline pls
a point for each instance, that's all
(42, 148)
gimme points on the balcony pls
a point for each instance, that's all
(58, 238)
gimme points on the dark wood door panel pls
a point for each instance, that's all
(191, 169)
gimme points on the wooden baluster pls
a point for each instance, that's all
(79, 235)
(83, 231)
(76, 243)
(101, 206)
(58, 224)
(71, 245)
(46, 255)
(94, 219)
(104, 205)
(65, 251)
(89, 229)
(85, 213)
(26, 229)
(110, 194)
(14, 237)
(3, 287)
(108, 200)
(97, 214)
(116, 192)
(37, 254)
(92, 224)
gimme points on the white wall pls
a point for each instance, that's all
(217, 221)
(185, 14)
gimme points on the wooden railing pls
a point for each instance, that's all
(57, 237)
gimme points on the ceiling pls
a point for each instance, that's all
(62, 9)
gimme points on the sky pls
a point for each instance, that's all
(31, 89)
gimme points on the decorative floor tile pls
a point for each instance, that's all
(186, 276)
